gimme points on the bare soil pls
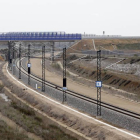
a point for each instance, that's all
(120, 44)
(126, 82)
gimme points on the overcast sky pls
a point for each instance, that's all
(115, 17)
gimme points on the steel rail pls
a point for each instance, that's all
(86, 98)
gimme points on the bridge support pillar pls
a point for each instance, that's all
(43, 68)
(99, 79)
(52, 51)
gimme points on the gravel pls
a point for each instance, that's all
(109, 116)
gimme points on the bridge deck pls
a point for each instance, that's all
(40, 36)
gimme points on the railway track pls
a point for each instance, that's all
(83, 97)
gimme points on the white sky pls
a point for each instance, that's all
(115, 17)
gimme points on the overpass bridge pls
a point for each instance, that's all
(39, 36)
(13, 37)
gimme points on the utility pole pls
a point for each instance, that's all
(64, 75)
(13, 65)
(29, 64)
(20, 61)
(9, 54)
(43, 68)
(98, 83)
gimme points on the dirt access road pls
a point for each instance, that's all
(83, 89)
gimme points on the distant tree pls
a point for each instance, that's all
(136, 55)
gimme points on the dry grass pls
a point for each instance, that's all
(128, 83)
(87, 44)
(116, 41)
(7, 133)
(27, 119)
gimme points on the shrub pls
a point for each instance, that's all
(56, 66)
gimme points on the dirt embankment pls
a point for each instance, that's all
(110, 44)
(8, 133)
(10, 130)
(81, 46)
(125, 82)
(119, 80)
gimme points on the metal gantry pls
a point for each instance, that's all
(11, 56)
(64, 75)
(20, 61)
(13, 64)
(43, 68)
(8, 54)
(29, 64)
(99, 79)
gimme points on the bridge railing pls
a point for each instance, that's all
(42, 36)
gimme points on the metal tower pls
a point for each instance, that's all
(13, 64)
(52, 50)
(29, 64)
(64, 75)
(99, 79)
(43, 68)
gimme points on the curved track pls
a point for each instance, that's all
(83, 97)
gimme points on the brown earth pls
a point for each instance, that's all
(119, 80)
(116, 41)
(87, 44)
(126, 82)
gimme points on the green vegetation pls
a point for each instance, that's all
(135, 46)
(135, 55)
(105, 71)
(72, 57)
(56, 66)
(1, 87)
